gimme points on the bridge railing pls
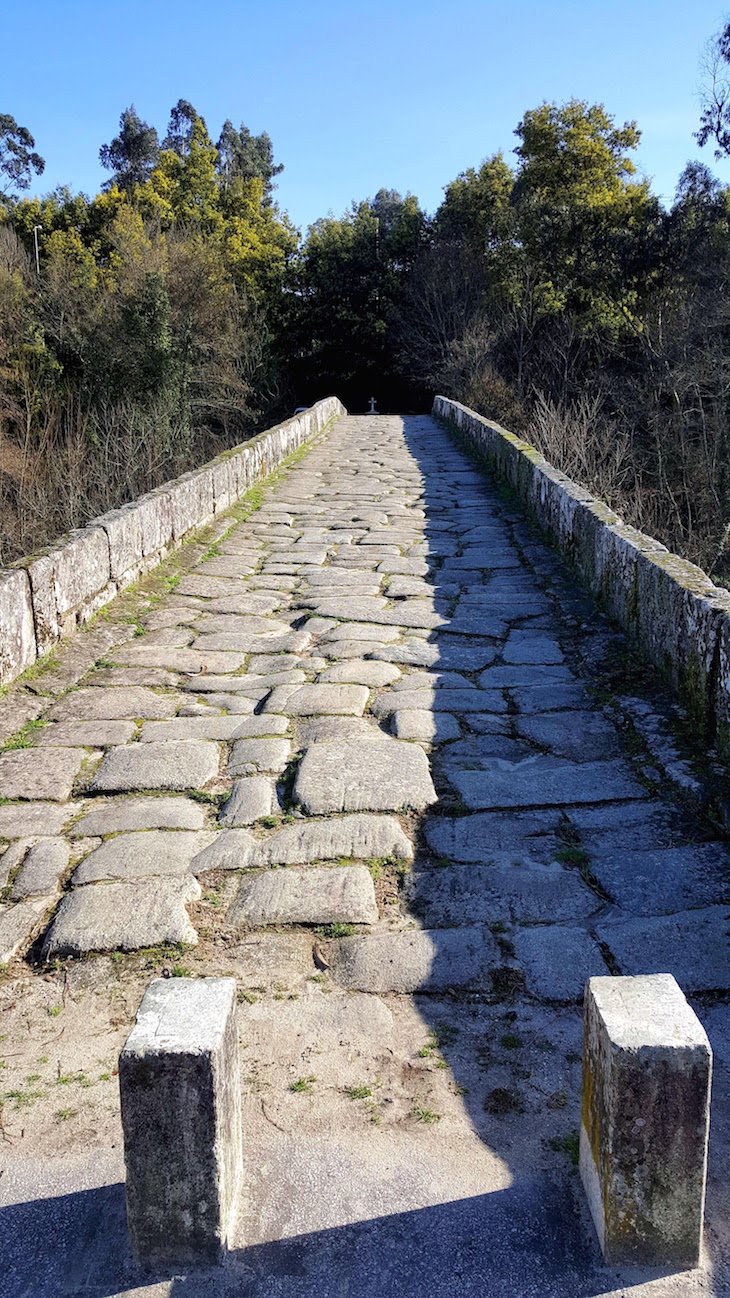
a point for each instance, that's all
(671, 610)
(47, 596)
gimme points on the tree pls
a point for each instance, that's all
(18, 159)
(476, 207)
(351, 276)
(180, 128)
(244, 156)
(582, 218)
(132, 153)
(715, 115)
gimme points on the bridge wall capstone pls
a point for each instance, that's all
(45, 597)
(671, 610)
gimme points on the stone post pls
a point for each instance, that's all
(645, 1119)
(181, 1115)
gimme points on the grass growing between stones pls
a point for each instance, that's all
(162, 954)
(336, 930)
(38, 669)
(22, 738)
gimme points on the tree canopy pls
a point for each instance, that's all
(179, 309)
(18, 159)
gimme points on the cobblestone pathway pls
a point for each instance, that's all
(384, 682)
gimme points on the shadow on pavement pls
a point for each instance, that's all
(525, 1241)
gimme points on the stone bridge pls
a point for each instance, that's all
(369, 746)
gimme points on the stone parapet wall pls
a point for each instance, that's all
(671, 610)
(47, 596)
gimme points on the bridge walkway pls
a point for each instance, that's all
(375, 754)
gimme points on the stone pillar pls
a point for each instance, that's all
(645, 1120)
(181, 1115)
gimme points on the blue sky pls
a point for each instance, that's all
(354, 95)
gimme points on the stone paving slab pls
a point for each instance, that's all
(416, 960)
(360, 631)
(217, 728)
(531, 647)
(177, 766)
(83, 734)
(349, 649)
(360, 836)
(378, 774)
(520, 676)
(42, 870)
(478, 838)
(436, 680)
(658, 880)
(200, 658)
(487, 752)
(210, 587)
(113, 677)
(406, 613)
(142, 855)
(438, 700)
(318, 700)
(581, 736)
(216, 684)
(550, 698)
(126, 814)
(18, 924)
(360, 672)
(123, 916)
(312, 730)
(424, 726)
(251, 756)
(418, 654)
(557, 961)
(629, 826)
(114, 704)
(12, 858)
(538, 783)
(468, 622)
(343, 577)
(23, 820)
(521, 894)
(413, 653)
(692, 945)
(252, 798)
(36, 774)
(338, 894)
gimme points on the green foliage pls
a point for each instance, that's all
(349, 279)
(424, 1115)
(18, 159)
(178, 310)
(150, 345)
(569, 1144)
(132, 153)
(358, 1092)
(339, 930)
(22, 738)
(303, 1085)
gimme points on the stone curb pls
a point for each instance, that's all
(670, 609)
(45, 597)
